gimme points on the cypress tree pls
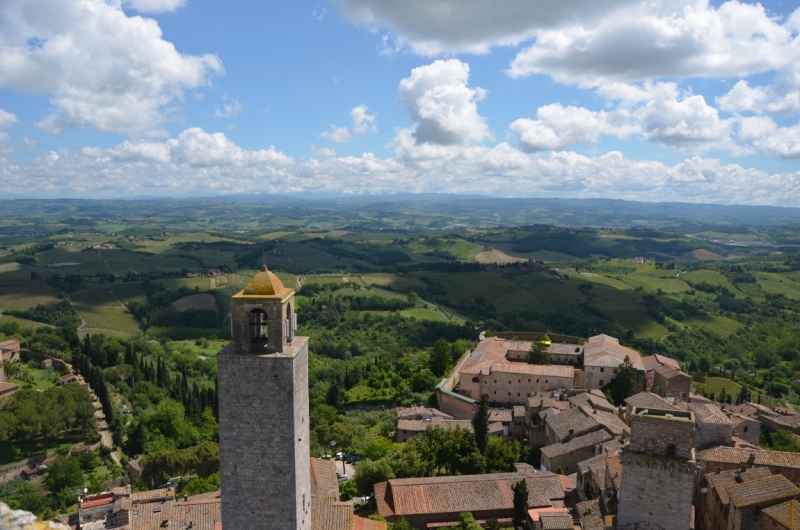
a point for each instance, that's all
(520, 504)
(480, 424)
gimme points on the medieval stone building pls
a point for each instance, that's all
(658, 470)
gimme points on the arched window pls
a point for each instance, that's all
(475, 380)
(258, 326)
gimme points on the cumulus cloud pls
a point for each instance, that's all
(556, 127)
(782, 97)
(7, 119)
(659, 113)
(197, 163)
(431, 27)
(196, 148)
(229, 110)
(102, 68)
(764, 133)
(442, 106)
(154, 6)
(362, 123)
(662, 39)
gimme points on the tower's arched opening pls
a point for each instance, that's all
(258, 328)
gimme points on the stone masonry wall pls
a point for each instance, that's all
(713, 434)
(650, 434)
(656, 492)
(264, 438)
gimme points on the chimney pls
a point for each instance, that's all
(752, 459)
(185, 498)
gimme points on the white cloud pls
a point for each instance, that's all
(441, 104)
(196, 148)
(556, 127)
(154, 6)
(229, 110)
(199, 163)
(764, 133)
(431, 27)
(685, 122)
(362, 123)
(662, 39)
(337, 135)
(782, 97)
(102, 68)
(7, 119)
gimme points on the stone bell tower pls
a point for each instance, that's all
(263, 412)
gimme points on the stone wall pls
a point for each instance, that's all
(713, 434)
(514, 389)
(459, 407)
(748, 429)
(655, 491)
(264, 438)
(654, 433)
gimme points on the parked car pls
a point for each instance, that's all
(341, 477)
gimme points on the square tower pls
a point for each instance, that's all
(658, 470)
(263, 412)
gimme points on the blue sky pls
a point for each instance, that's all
(659, 100)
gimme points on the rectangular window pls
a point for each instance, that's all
(670, 450)
(602, 370)
(601, 382)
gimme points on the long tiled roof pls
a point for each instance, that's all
(580, 442)
(422, 425)
(417, 496)
(328, 514)
(323, 478)
(574, 419)
(668, 372)
(709, 414)
(652, 362)
(542, 402)
(416, 413)
(562, 348)
(541, 370)
(775, 488)
(501, 415)
(603, 350)
(787, 514)
(610, 421)
(203, 512)
(484, 354)
(761, 457)
(726, 479)
(649, 400)
(556, 521)
(590, 514)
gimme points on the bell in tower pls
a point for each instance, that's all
(262, 320)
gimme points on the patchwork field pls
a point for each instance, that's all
(203, 301)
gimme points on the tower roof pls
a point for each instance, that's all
(265, 283)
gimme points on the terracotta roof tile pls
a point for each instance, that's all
(603, 350)
(541, 370)
(327, 514)
(579, 442)
(422, 425)
(761, 457)
(556, 521)
(501, 415)
(774, 488)
(415, 496)
(323, 478)
(590, 515)
(709, 414)
(649, 400)
(575, 420)
(724, 480)
(787, 514)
